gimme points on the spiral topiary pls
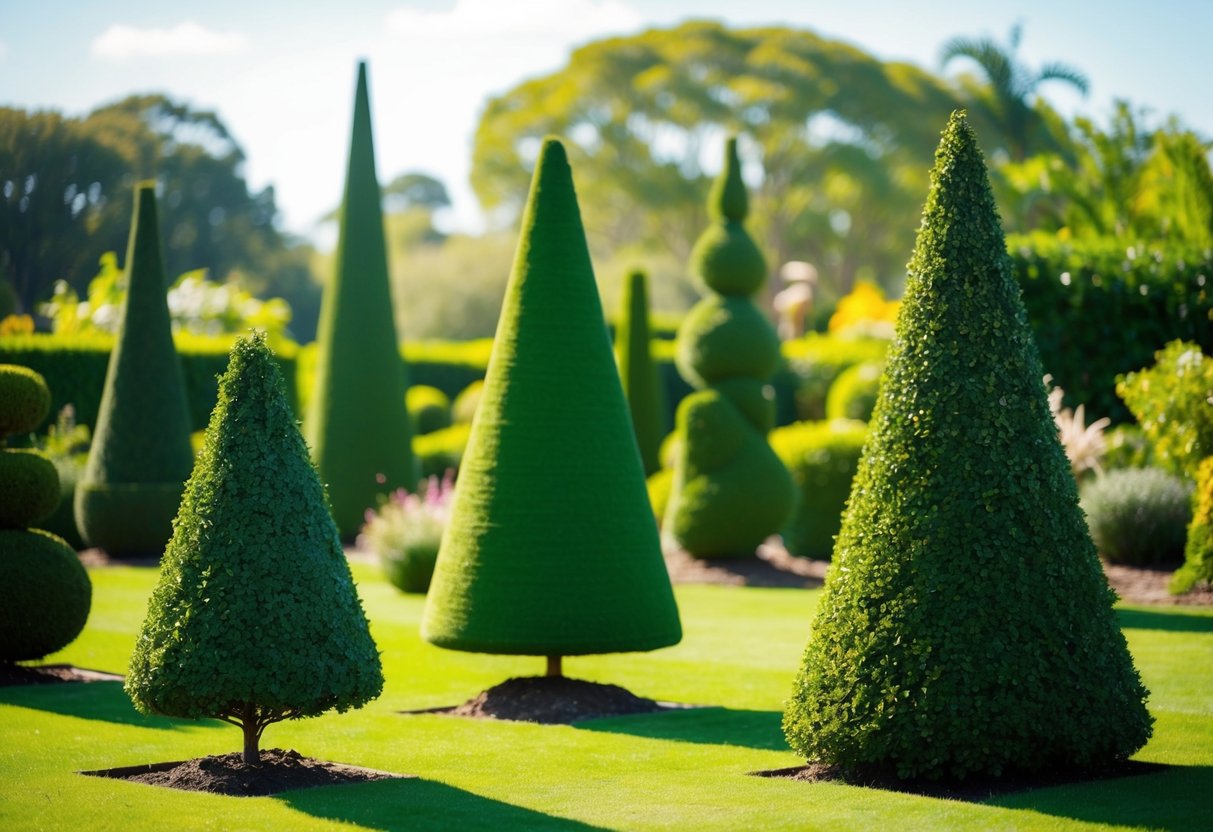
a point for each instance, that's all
(730, 490)
(45, 593)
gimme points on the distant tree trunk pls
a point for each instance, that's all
(554, 666)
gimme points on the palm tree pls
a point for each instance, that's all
(1011, 94)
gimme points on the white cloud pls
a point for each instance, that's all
(558, 19)
(121, 42)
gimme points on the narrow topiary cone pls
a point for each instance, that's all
(255, 618)
(141, 454)
(551, 548)
(966, 625)
(633, 352)
(724, 504)
(357, 424)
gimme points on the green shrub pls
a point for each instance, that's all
(1173, 403)
(357, 424)
(442, 450)
(429, 409)
(853, 393)
(633, 353)
(1154, 292)
(658, 485)
(730, 490)
(141, 455)
(255, 617)
(29, 488)
(62, 521)
(1198, 552)
(966, 626)
(551, 548)
(406, 532)
(24, 399)
(823, 458)
(464, 408)
(46, 594)
(1138, 516)
(448, 365)
(815, 361)
(1126, 446)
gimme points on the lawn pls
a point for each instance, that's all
(684, 770)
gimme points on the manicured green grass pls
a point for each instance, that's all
(681, 770)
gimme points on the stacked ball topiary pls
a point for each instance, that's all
(730, 489)
(45, 593)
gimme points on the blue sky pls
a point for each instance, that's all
(280, 72)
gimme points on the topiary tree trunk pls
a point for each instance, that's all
(966, 627)
(730, 490)
(634, 354)
(357, 423)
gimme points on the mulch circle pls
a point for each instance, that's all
(552, 700)
(972, 789)
(228, 774)
(12, 675)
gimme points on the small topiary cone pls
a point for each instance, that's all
(551, 548)
(966, 625)
(141, 454)
(255, 617)
(633, 352)
(357, 424)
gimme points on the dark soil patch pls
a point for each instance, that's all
(49, 674)
(973, 789)
(228, 774)
(553, 700)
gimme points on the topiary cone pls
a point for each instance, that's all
(141, 454)
(255, 617)
(551, 547)
(633, 352)
(966, 625)
(357, 423)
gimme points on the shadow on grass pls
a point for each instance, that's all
(415, 803)
(1174, 799)
(104, 701)
(708, 726)
(1176, 622)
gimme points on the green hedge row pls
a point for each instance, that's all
(1100, 308)
(74, 369)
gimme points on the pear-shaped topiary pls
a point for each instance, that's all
(730, 490)
(45, 593)
(551, 548)
(357, 423)
(966, 626)
(1198, 551)
(633, 352)
(141, 454)
(255, 618)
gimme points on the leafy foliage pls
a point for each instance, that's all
(141, 452)
(255, 617)
(1198, 550)
(45, 594)
(1138, 516)
(633, 353)
(966, 625)
(551, 547)
(1173, 403)
(816, 361)
(357, 424)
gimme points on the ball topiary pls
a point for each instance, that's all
(141, 454)
(823, 458)
(1198, 552)
(463, 410)
(255, 618)
(29, 488)
(357, 424)
(633, 353)
(46, 594)
(24, 399)
(966, 626)
(730, 490)
(853, 393)
(429, 409)
(1138, 516)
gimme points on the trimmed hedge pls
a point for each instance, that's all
(853, 393)
(815, 362)
(429, 409)
(1099, 308)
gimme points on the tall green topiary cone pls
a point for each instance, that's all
(357, 423)
(255, 617)
(141, 454)
(966, 625)
(730, 490)
(633, 352)
(551, 548)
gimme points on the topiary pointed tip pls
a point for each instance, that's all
(728, 200)
(552, 154)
